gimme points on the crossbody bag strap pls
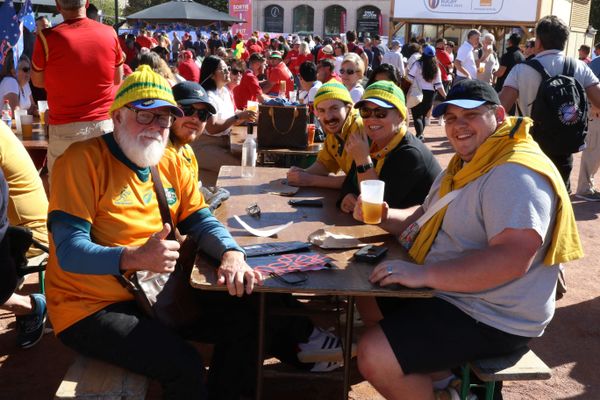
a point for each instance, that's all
(163, 206)
(437, 206)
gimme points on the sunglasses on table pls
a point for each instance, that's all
(347, 71)
(144, 117)
(379, 113)
(189, 111)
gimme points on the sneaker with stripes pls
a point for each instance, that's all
(325, 345)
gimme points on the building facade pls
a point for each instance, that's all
(321, 17)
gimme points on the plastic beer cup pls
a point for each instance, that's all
(310, 133)
(372, 200)
(252, 106)
(27, 126)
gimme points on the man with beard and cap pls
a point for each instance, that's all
(491, 254)
(333, 108)
(105, 222)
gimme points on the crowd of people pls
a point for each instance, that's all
(126, 110)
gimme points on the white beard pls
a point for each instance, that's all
(141, 154)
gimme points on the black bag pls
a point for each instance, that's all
(168, 297)
(559, 111)
(282, 127)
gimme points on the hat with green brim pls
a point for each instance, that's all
(385, 94)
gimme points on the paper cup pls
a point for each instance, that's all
(372, 200)
(18, 114)
(27, 126)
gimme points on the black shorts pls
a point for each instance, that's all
(8, 272)
(430, 335)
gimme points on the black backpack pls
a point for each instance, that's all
(559, 111)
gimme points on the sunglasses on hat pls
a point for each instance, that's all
(189, 111)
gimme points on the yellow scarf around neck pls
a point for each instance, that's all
(380, 155)
(510, 143)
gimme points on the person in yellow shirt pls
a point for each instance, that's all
(27, 207)
(333, 108)
(105, 222)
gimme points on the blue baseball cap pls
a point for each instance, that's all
(149, 104)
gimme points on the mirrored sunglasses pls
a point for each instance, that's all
(378, 112)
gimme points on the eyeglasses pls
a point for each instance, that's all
(25, 69)
(236, 71)
(144, 117)
(347, 71)
(189, 111)
(379, 113)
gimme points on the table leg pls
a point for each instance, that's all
(348, 344)
(261, 345)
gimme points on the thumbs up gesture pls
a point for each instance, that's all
(157, 255)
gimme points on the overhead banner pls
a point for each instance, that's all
(241, 9)
(468, 10)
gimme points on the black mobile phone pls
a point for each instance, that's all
(306, 203)
(370, 253)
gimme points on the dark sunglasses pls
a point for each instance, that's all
(25, 69)
(224, 70)
(347, 71)
(189, 111)
(236, 71)
(379, 113)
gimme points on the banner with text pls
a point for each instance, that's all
(468, 10)
(241, 9)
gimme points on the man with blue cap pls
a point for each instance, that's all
(489, 239)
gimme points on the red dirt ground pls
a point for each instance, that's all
(570, 346)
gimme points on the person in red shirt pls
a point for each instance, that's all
(292, 56)
(278, 72)
(254, 47)
(444, 62)
(80, 64)
(325, 71)
(143, 40)
(187, 67)
(249, 88)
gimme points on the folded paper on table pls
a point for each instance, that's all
(328, 240)
(280, 187)
(261, 232)
(285, 263)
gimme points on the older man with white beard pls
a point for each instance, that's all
(105, 222)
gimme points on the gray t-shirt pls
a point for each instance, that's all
(509, 196)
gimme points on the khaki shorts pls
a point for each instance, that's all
(61, 136)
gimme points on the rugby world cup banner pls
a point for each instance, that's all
(478, 10)
(241, 9)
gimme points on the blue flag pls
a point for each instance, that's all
(26, 16)
(9, 29)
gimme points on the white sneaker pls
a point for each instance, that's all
(322, 344)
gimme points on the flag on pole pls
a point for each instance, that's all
(9, 29)
(26, 16)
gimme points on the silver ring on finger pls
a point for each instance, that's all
(389, 270)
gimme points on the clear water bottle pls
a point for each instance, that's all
(7, 114)
(248, 156)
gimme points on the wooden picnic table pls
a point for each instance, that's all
(349, 278)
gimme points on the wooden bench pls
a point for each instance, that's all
(520, 366)
(92, 379)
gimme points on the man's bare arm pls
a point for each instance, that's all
(459, 67)
(508, 97)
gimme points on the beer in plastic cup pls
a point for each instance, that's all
(372, 200)
(27, 126)
(310, 133)
(42, 108)
(252, 106)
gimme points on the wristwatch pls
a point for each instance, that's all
(361, 169)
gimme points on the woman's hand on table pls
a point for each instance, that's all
(348, 203)
(357, 213)
(400, 272)
(357, 146)
(237, 274)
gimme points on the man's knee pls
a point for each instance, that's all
(374, 354)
